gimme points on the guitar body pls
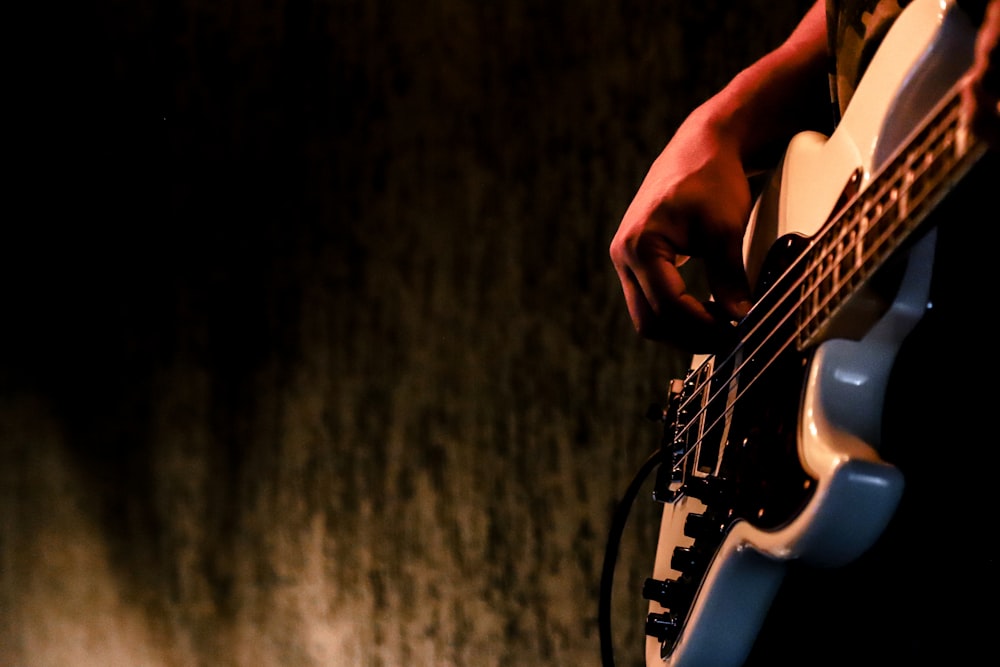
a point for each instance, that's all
(797, 445)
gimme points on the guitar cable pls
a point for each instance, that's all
(618, 521)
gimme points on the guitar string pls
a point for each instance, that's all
(854, 218)
(854, 214)
(916, 203)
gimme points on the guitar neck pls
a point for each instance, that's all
(884, 215)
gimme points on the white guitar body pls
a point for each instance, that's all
(855, 491)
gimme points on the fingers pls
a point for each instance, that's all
(727, 278)
(981, 94)
(981, 112)
(660, 305)
(685, 322)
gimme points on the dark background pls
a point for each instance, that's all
(312, 352)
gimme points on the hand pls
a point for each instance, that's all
(981, 93)
(695, 201)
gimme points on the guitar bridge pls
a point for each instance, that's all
(685, 462)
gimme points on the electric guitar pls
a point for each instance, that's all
(840, 250)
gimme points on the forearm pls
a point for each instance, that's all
(784, 92)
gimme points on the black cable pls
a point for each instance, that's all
(618, 522)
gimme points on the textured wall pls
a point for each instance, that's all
(312, 351)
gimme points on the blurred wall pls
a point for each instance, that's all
(312, 350)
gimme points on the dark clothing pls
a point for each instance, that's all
(915, 597)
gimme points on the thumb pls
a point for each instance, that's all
(727, 279)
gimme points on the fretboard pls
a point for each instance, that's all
(866, 232)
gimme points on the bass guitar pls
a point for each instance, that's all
(839, 250)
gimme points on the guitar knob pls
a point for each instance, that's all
(701, 526)
(662, 591)
(686, 559)
(706, 489)
(663, 627)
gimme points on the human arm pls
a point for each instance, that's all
(696, 198)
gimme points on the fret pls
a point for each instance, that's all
(827, 286)
(851, 262)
